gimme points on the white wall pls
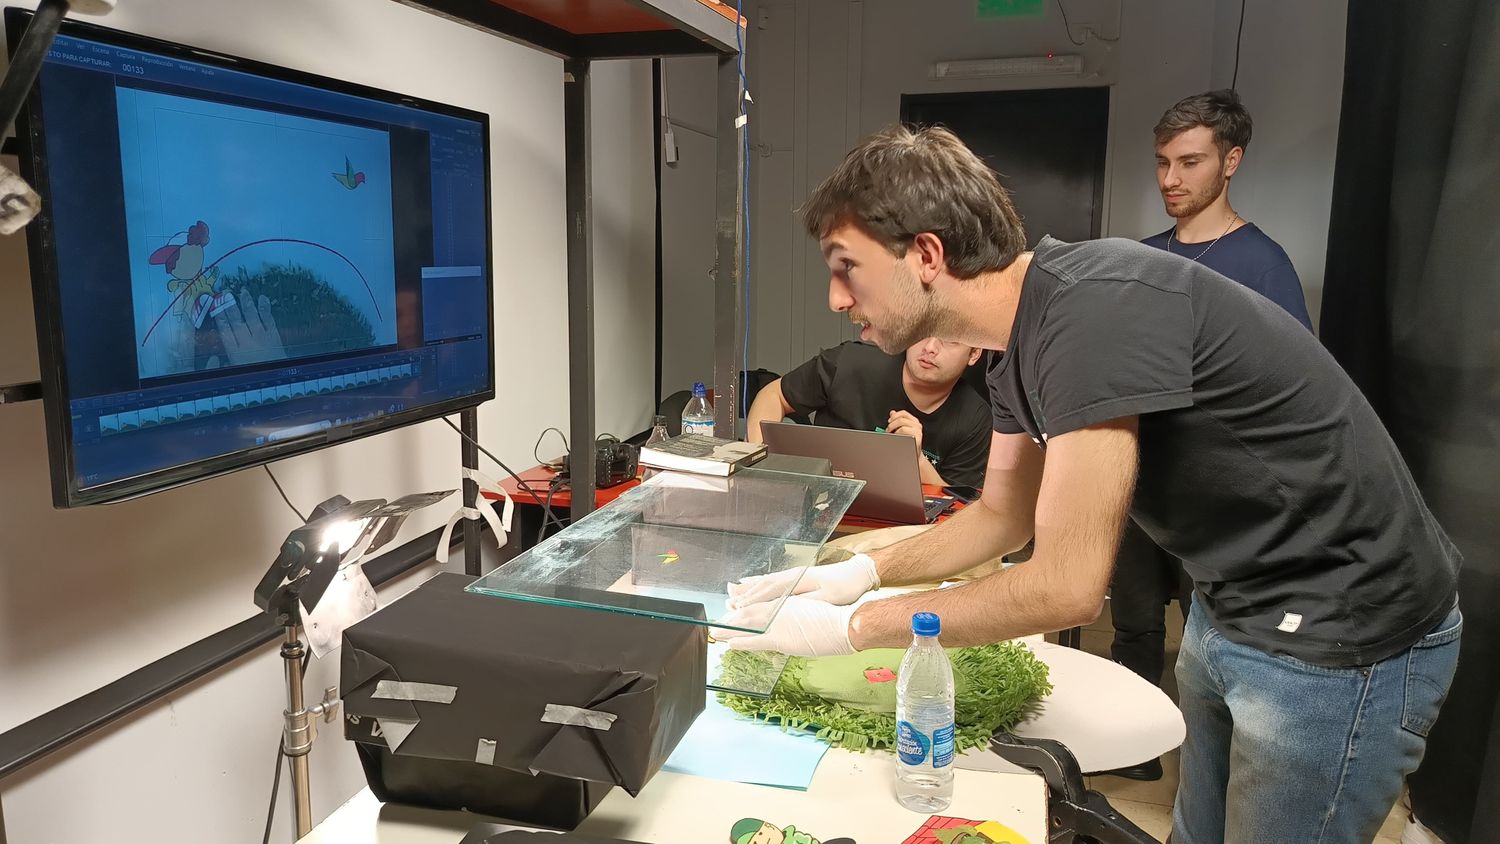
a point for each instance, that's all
(89, 595)
(624, 249)
(687, 225)
(826, 72)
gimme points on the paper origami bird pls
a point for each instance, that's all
(349, 178)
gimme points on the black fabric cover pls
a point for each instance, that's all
(508, 660)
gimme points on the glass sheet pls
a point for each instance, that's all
(756, 678)
(670, 547)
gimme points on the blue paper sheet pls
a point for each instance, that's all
(723, 745)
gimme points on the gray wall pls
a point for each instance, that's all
(826, 72)
(89, 595)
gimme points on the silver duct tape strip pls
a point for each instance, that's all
(425, 692)
(573, 716)
(395, 731)
(484, 754)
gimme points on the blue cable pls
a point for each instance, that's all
(744, 190)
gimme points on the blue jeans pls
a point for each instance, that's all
(1279, 750)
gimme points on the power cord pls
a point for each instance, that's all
(275, 787)
(536, 448)
(536, 496)
(288, 501)
(1068, 30)
(552, 488)
(1234, 81)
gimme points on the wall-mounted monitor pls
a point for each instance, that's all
(238, 262)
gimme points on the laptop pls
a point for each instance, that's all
(887, 463)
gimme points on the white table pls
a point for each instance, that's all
(851, 796)
(1103, 712)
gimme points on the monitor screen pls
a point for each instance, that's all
(237, 262)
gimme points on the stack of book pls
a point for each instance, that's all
(702, 454)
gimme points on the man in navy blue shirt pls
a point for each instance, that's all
(1200, 143)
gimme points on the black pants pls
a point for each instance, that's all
(1146, 579)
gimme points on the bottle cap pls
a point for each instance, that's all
(699, 390)
(926, 624)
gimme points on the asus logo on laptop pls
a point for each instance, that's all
(838, 474)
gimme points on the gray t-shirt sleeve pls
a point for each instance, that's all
(806, 388)
(1001, 419)
(1108, 349)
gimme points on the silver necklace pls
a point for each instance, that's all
(1173, 236)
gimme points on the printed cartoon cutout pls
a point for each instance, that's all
(194, 284)
(944, 830)
(757, 831)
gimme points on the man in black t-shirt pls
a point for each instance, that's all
(1324, 629)
(856, 385)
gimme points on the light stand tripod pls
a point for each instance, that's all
(339, 533)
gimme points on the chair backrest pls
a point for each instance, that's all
(671, 407)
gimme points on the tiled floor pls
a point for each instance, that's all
(1149, 804)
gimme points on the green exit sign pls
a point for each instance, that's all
(1009, 8)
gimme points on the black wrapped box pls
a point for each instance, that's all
(524, 711)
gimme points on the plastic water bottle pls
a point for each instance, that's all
(658, 430)
(924, 721)
(658, 434)
(698, 415)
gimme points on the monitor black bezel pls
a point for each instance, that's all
(30, 136)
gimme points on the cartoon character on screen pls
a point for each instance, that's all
(349, 178)
(194, 288)
(757, 831)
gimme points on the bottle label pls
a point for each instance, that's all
(912, 744)
(706, 428)
(942, 747)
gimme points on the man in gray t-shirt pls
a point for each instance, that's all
(1134, 382)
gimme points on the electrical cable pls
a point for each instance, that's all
(276, 782)
(1234, 81)
(1067, 28)
(566, 448)
(1087, 32)
(536, 496)
(275, 787)
(288, 501)
(552, 489)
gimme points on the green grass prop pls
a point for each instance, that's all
(995, 687)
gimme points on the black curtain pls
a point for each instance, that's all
(1411, 308)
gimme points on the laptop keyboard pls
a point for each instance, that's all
(936, 507)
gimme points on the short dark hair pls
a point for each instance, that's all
(1219, 110)
(901, 182)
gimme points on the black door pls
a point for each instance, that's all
(1048, 147)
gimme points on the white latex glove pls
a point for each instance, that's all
(837, 583)
(803, 627)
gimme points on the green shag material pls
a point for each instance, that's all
(995, 687)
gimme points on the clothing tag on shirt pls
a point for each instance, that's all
(1290, 622)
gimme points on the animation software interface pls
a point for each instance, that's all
(243, 260)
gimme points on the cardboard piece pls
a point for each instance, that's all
(509, 661)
